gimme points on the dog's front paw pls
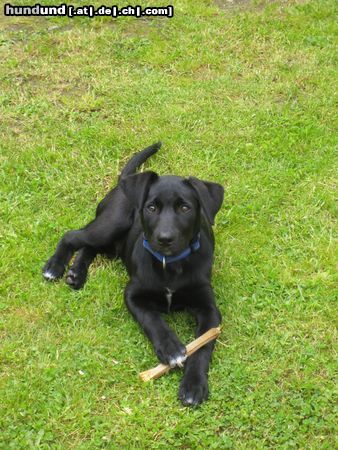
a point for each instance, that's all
(53, 269)
(193, 389)
(171, 351)
(76, 277)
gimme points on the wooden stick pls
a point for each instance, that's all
(191, 348)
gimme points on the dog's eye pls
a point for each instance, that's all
(151, 208)
(185, 208)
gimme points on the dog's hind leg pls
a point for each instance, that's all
(70, 243)
(77, 274)
(99, 234)
(94, 237)
(54, 268)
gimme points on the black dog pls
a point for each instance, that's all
(161, 229)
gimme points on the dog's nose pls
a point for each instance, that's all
(165, 239)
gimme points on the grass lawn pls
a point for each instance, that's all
(239, 94)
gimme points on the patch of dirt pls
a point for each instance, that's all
(142, 27)
(136, 29)
(22, 24)
(252, 5)
(14, 29)
(28, 315)
(233, 4)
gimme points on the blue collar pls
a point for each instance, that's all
(194, 246)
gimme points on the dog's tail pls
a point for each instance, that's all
(138, 159)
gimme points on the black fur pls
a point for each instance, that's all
(171, 212)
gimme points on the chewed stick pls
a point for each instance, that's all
(191, 348)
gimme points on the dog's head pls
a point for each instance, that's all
(171, 208)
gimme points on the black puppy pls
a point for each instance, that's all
(161, 229)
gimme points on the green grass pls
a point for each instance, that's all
(244, 97)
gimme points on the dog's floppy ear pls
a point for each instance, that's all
(210, 196)
(136, 187)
